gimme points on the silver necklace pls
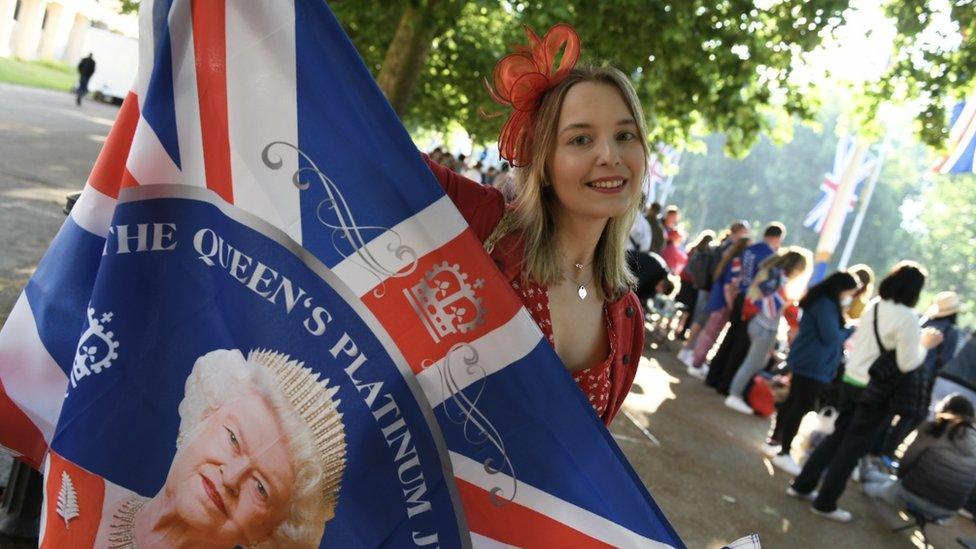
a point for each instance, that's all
(581, 290)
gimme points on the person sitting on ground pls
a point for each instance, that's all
(767, 301)
(813, 360)
(958, 376)
(938, 471)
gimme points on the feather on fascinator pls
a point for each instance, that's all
(520, 80)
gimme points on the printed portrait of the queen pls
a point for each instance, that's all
(259, 460)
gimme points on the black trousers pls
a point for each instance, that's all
(837, 455)
(804, 392)
(731, 352)
(894, 434)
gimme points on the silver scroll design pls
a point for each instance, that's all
(347, 236)
(475, 426)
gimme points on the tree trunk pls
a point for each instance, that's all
(406, 56)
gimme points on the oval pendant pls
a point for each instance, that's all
(581, 292)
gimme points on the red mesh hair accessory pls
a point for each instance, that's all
(521, 79)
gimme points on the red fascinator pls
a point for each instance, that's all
(521, 79)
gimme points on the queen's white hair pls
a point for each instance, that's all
(218, 377)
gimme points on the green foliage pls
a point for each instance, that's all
(128, 6)
(947, 237)
(933, 64)
(699, 65)
(38, 74)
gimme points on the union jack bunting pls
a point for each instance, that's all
(962, 140)
(843, 156)
(252, 327)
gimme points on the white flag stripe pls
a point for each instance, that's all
(93, 211)
(496, 351)
(539, 501)
(968, 131)
(146, 51)
(31, 378)
(185, 95)
(148, 161)
(428, 230)
(268, 105)
(481, 542)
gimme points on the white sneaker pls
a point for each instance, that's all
(737, 404)
(686, 356)
(837, 514)
(697, 373)
(770, 450)
(786, 464)
(809, 497)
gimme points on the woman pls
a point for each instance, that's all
(577, 141)
(890, 344)
(813, 360)
(688, 293)
(259, 460)
(719, 302)
(938, 471)
(767, 301)
(941, 316)
(866, 276)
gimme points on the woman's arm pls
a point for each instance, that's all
(482, 206)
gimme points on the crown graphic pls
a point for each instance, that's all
(445, 302)
(96, 348)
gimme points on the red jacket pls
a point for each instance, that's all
(483, 207)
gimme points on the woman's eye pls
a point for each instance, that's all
(262, 491)
(625, 136)
(580, 140)
(232, 437)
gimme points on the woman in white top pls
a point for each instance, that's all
(891, 320)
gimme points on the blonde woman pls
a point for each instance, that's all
(576, 138)
(767, 301)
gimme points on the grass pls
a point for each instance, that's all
(52, 75)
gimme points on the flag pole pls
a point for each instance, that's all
(845, 256)
(830, 234)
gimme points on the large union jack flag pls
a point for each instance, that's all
(843, 156)
(962, 141)
(257, 192)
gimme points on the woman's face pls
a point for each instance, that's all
(232, 479)
(598, 157)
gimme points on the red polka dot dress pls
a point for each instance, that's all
(593, 381)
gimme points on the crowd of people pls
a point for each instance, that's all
(771, 343)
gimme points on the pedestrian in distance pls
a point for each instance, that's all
(86, 68)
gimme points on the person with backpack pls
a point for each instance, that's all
(688, 292)
(882, 377)
(702, 267)
(938, 471)
(767, 302)
(813, 360)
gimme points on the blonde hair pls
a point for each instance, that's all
(534, 202)
(794, 261)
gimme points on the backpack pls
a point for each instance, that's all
(890, 389)
(702, 265)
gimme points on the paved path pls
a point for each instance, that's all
(715, 486)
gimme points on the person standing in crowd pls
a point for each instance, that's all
(768, 300)
(653, 216)
(735, 345)
(727, 275)
(491, 175)
(940, 316)
(813, 360)
(958, 376)
(703, 271)
(581, 154)
(699, 257)
(673, 252)
(866, 276)
(86, 68)
(938, 472)
(881, 377)
(649, 267)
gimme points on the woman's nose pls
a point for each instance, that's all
(233, 471)
(609, 153)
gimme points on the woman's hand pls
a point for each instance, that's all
(931, 338)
